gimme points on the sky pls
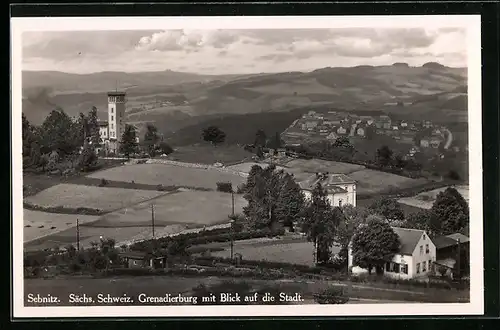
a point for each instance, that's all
(240, 51)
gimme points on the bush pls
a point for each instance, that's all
(103, 182)
(241, 188)
(225, 187)
(160, 187)
(165, 148)
(332, 295)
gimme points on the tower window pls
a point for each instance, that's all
(112, 126)
(112, 109)
(112, 118)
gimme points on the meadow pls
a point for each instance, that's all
(174, 212)
(39, 224)
(425, 199)
(168, 175)
(102, 198)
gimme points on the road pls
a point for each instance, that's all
(449, 138)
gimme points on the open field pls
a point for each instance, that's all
(168, 175)
(426, 199)
(102, 198)
(374, 182)
(39, 224)
(318, 165)
(197, 208)
(296, 251)
(174, 213)
(207, 154)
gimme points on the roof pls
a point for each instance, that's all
(409, 239)
(102, 123)
(442, 242)
(116, 93)
(133, 254)
(327, 181)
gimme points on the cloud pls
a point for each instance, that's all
(188, 40)
(240, 51)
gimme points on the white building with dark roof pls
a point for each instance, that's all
(341, 189)
(416, 256)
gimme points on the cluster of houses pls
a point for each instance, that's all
(332, 125)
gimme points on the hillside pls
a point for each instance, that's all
(432, 89)
(236, 133)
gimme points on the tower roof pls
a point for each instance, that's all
(116, 93)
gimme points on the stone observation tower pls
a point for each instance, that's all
(116, 117)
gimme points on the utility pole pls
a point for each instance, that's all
(232, 203)
(458, 260)
(153, 218)
(77, 235)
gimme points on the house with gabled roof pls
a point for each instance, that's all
(340, 188)
(415, 258)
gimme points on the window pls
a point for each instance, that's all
(424, 267)
(426, 248)
(396, 268)
(113, 126)
(404, 269)
(340, 202)
(430, 265)
(424, 237)
(112, 118)
(421, 250)
(347, 201)
(112, 109)
(418, 268)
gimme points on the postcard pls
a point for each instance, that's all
(246, 166)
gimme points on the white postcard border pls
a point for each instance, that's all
(470, 22)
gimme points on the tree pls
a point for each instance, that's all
(384, 156)
(128, 143)
(320, 222)
(88, 158)
(60, 133)
(166, 148)
(290, 203)
(418, 220)
(450, 213)
(399, 161)
(374, 244)
(260, 138)
(389, 208)
(93, 132)
(275, 142)
(255, 193)
(214, 135)
(352, 218)
(343, 142)
(151, 139)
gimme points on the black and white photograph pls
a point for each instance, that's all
(247, 166)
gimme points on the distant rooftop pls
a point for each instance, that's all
(102, 123)
(328, 181)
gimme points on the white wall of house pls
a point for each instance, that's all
(345, 198)
(421, 255)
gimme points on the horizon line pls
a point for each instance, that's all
(240, 73)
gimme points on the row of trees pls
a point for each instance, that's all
(61, 138)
